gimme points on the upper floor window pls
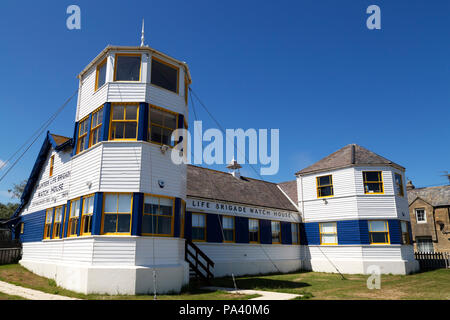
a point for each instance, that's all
(57, 224)
(124, 121)
(295, 233)
(158, 216)
(48, 223)
(276, 232)
(96, 125)
(74, 215)
(378, 232)
(198, 227)
(52, 163)
(421, 216)
(324, 186)
(253, 229)
(328, 233)
(424, 244)
(127, 67)
(162, 124)
(164, 75)
(228, 229)
(399, 185)
(100, 78)
(404, 226)
(373, 182)
(82, 134)
(86, 215)
(117, 213)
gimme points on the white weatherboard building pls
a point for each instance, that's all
(106, 211)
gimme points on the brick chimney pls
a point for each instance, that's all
(409, 185)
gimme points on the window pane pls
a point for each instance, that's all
(275, 226)
(101, 75)
(166, 137)
(372, 176)
(198, 220)
(325, 191)
(49, 217)
(124, 203)
(156, 134)
(228, 223)
(109, 224)
(164, 76)
(373, 187)
(253, 225)
(324, 180)
(404, 226)
(170, 121)
(87, 224)
(118, 112)
(156, 116)
(379, 237)
(164, 225)
(253, 236)
(100, 117)
(328, 227)
(198, 234)
(228, 235)
(165, 210)
(378, 226)
(128, 68)
(130, 130)
(110, 202)
(328, 238)
(123, 223)
(131, 112)
(148, 224)
(118, 130)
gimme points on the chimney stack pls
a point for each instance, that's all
(409, 186)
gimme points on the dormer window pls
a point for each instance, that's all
(101, 74)
(127, 67)
(164, 75)
(324, 186)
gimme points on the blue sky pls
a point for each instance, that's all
(310, 68)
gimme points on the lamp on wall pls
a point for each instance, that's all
(164, 148)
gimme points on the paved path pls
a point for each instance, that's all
(265, 295)
(30, 293)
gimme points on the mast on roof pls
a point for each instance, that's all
(142, 34)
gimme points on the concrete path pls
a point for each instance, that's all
(30, 293)
(265, 295)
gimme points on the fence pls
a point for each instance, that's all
(432, 260)
(10, 252)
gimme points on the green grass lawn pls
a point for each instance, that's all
(312, 285)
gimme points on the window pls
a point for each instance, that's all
(378, 232)
(276, 233)
(82, 135)
(295, 233)
(57, 223)
(127, 67)
(164, 75)
(117, 213)
(198, 227)
(373, 182)
(48, 223)
(399, 185)
(421, 216)
(158, 216)
(73, 217)
(228, 229)
(253, 230)
(324, 186)
(22, 227)
(162, 124)
(86, 215)
(101, 74)
(405, 232)
(96, 125)
(52, 163)
(328, 233)
(424, 244)
(124, 121)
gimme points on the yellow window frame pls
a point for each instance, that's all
(48, 226)
(206, 217)
(159, 125)
(279, 233)
(400, 187)
(69, 225)
(81, 136)
(319, 186)
(172, 217)
(297, 226)
(84, 215)
(99, 66)
(52, 163)
(325, 233)
(111, 121)
(130, 213)
(258, 230)
(173, 67)
(56, 224)
(234, 229)
(386, 227)
(97, 127)
(127, 55)
(380, 182)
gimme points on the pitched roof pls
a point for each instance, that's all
(217, 185)
(290, 189)
(350, 155)
(436, 196)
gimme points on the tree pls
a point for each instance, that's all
(17, 189)
(7, 210)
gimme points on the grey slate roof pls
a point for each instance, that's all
(290, 188)
(350, 155)
(436, 196)
(217, 185)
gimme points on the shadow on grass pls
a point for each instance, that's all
(259, 283)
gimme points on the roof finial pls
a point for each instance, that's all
(142, 34)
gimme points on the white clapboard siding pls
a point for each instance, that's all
(377, 206)
(333, 252)
(61, 165)
(382, 253)
(165, 99)
(159, 251)
(126, 92)
(114, 251)
(121, 167)
(336, 208)
(158, 166)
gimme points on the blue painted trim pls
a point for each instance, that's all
(136, 220)
(242, 231)
(66, 222)
(80, 215)
(143, 122)
(63, 221)
(97, 215)
(177, 218)
(265, 229)
(364, 232)
(394, 232)
(188, 225)
(104, 131)
(312, 233)
(53, 223)
(286, 232)
(88, 136)
(213, 228)
(75, 139)
(34, 227)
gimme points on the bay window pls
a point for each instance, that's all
(127, 67)
(86, 215)
(162, 124)
(379, 232)
(157, 217)
(96, 125)
(164, 75)
(74, 214)
(124, 121)
(117, 213)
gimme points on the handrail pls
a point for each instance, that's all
(197, 263)
(200, 252)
